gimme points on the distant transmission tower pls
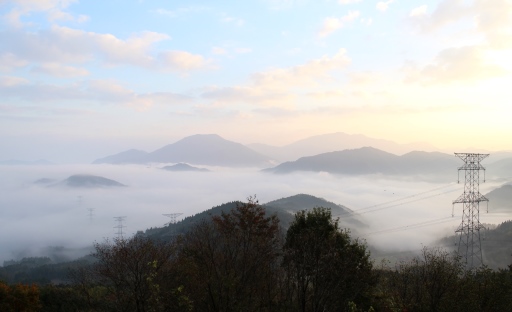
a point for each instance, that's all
(119, 226)
(173, 217)
(470, 246)
(90, 213)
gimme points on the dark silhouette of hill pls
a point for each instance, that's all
(184, 167)
(199, 149)
(495, 244)
(284, 209)
(132, 156)
(331, 142)
(500, 199)
(187, 223)
(88, 181)
(299, 202)
(369, 160)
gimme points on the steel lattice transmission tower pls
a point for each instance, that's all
(119, 226)
(173, 217)
(470, 245)
(91, 210)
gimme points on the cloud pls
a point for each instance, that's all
(323, 95)
(111, 92)
(247, 95)
(67, 45)
(462, 64)
(9, 81)
(367, 21)
(59, 70)
(419, 11)
(182, 61)
(63, 44)
(55, 11)
(10, 61)
(332, 24)
(232, 20)
(364, 78)
(218, 51)
(383, 5)
(93, 91)
(165, 12)
(493, 19)
(308, 74)
(280, 87)
(329, 26)
(489, 21)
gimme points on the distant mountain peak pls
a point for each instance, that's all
(197, 149)
(184, 167)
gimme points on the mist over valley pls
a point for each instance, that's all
(395, 203)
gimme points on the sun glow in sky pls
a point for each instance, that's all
(90, 78)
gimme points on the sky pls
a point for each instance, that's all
(80, 80)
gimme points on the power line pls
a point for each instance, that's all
(369, 209)
(398, 202)
(412, 226)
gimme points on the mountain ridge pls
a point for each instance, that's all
(198, 149)
(369, 160)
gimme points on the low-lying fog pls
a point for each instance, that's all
(35, 216)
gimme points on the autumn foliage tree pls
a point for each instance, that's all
(19, 298)
(232, 261)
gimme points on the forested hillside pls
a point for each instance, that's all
(239, 257)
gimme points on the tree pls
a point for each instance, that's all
(326, 269)
(231, 262)
(136, 273)
(428, 283)
(19, 297)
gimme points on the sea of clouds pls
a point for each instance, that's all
(402, 213)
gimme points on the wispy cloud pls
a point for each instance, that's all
(68, 45)
(55, 11)
(59, 70)
(467, 63)
(384, 5)
(279, 86)
(331, 24)
(419, 11)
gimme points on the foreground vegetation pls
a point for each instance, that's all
(242, 261)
